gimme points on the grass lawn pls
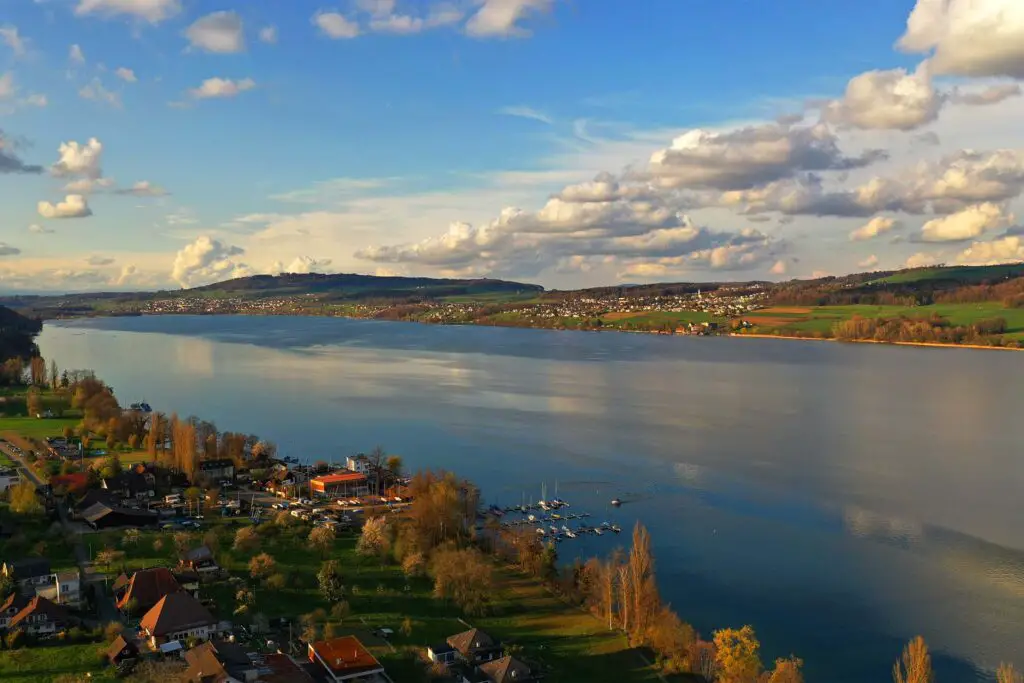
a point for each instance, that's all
(44, 664)
(38, 428)
(965, 274)
(655, 319)
(35, 536)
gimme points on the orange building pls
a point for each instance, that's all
(345, 659)
(340, 485)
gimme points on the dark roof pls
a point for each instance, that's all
(28, 567)
(118, 646)
(120, 582)
(215, 661)
(16, 601)
(283, 670)
(93, 496)
(98, 511)
(197, 554)
(216, 464)
(176, 612)
(473, 640)
(506, 670)
(148, 586)
(40, 605)
(441, 648)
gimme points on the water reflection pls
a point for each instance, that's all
(840, 498)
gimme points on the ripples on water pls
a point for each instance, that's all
(842, 498)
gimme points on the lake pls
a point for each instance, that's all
(839, 498)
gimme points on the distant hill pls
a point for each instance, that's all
(17, 334)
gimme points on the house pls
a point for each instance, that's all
(90, 498)
(474, 646)
(358, 463)
(216, 661)
(341, 485)
(74, 483)
(14, 603)
(8, 478)
(506, 670)
(199, 560)
(345, 659)
(40, 617)
(63, 588)
(28, 573)
(188, 580)
(178, 616)
(121, 650)
(215, 470)
(106, 516)
(146, 588)
(280, 668)
(442, 654)
(136, 483)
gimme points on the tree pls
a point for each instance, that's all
(375, 539)
(465, 577)
(331, 582)
(182, 541)
(394, 467)
(915, 666)
(406, 628)
(130, 537)
(414, 564)
(671, 638)
(67, 432)
(377, 462)
(1007, 674)
(37, 371)
(276, 581)
(322, 538)
(643, 589)
(112, 630)
(341, 611)
(6, 585)
(787, 671)
(737, 655)
(704, 660)
(34, 403)
(192, 495)
(133, 441)
(108, 557)
(24, 500)
(54, 376)
(262, 565)
(111, 441)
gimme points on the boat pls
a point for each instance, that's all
(616, 502)
(598, 531)
(570, 534)
(540, 531)
(616, 528)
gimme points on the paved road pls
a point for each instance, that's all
(106, 610)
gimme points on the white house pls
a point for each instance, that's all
(65, 588)
(358, 463)
(178, 616)
(8, 478)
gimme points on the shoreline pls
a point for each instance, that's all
(936, 345)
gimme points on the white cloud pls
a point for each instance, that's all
(750, 156)
(11, 161)
(302, 265)
(79, 160)
(526, 113)
(921, 260)
(36, 100)
(37, 229)
(219, 32)
(868, 263)
(335, 26)
(444, 14)
(879, 225)
(75, 54)
(11, 38)
(126, 275)
(1009, 249)
(8, 250)
(126, 74)
(222, 87)
(779, 268)
(993, 94)
(968, 37)
(143, 188)
(890, 99)
(88, 185)
(500, 18)
(402, 24)
(152, 11)
(970, 223)
(99, 260)
(96, 92)
(207, 260)
(268, 34)
(7, 88)
(73, 206)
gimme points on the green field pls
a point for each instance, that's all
(964, 274)
(38, 428)
(822, 318)
(656, 319)
(53, 663)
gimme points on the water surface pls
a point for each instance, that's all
(840, 498)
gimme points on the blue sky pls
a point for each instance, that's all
(391, 136)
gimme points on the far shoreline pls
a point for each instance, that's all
(936, 345)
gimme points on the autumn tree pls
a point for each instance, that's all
(34, 403)
(375, 539)
(737, 655)
(414, 564)
(787, 670)
(54, 376)
(464, 577)
(341, 610)
(671, 638)
(915, 666)
(37, 371)
(643, 590)
(322, 538)
(377, 461)
(1007, 674)
(130, 537)
(246, 539)
(261, 566)
(331, 582)
(24, 500)
(704, 659)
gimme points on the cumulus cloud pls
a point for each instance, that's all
(207, 260)
(869, 262)
(79, 160)
(152, 11)
(968, 176)
(36, 100)
(99, 260)
(501, 18)
(335, 26)
(37, 229)
(75, 54)
(1009, 249)
(143, 188)
(73, 206)
(8, 250)
(968, 224)
(222, 87)
(968, 37)
(127, 273)
(301, 264)
(879, 225)
(809, 196)
(126, 74)
(751, 156)
(920, 260)
(892, 99)
(779, 268)
(268, 34)
(994, 94)
(11, 161)
(88, 185)
(219, 32)
(10, 37)
(97, 92)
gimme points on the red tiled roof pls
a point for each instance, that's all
(343, 656)
(40, 605)
(148, 586)
(75, 481)
(339, 478)
(176, 612)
